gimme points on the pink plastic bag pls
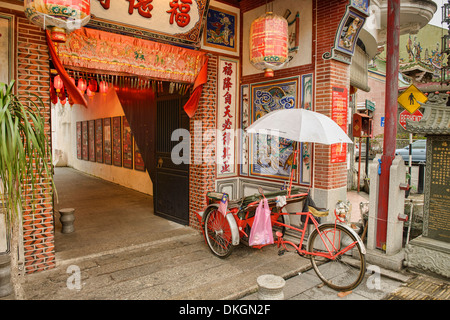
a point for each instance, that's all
(261, 232)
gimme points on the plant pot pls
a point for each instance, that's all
(67, 218)
(6, 287)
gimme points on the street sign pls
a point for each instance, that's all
(370, 105)
(412, 98)
(416, 116)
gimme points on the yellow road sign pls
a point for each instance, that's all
(412, 99)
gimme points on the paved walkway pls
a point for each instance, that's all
(122, 251)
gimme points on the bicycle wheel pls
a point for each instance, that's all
(218, 233)
(346, 270)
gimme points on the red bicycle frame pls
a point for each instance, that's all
(281, 242)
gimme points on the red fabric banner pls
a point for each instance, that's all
(122, 55)
(191, 106)
(100, 51)
(72, 90)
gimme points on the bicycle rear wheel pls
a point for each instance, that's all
(346, 270)
(218, 233)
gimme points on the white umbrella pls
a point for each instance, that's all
(300, 125)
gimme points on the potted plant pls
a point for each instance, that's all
(24, 158)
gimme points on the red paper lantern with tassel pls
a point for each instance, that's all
(82, 85)
(58, 83)
(104, 87)
(269, 46)
(93, 86)
(62, 97)
(53, 95)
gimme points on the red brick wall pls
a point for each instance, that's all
(202, 175)
(33, 76)
(329, 73)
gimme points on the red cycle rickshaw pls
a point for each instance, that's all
(336, 251)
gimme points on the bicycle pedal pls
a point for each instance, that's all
(281, 252)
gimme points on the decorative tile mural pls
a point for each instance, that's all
(270, 156)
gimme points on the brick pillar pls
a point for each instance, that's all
(202, 173)
(33, 76)
(330, 179)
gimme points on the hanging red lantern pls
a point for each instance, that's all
(269, 46)
(82, 85)
(104, 87)
(89, 92)
(58, 83)
(62, 97)
(93, 85)
(53, 94)
(59, 16)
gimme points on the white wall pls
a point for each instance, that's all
(64, 119)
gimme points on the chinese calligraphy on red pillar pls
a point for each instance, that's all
(339, 115)
(226, 117)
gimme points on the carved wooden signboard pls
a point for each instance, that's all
(178, 21)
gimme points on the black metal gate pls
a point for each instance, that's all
(171, 188)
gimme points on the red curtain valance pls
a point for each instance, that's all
(118, 54)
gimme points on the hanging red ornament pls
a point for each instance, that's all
(89, 92)
(93, 85)
(269, 45)
(53, 95)
(58, 83)
(104, 87)
(62, 97)
(82, 85)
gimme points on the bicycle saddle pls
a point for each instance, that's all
(318, 212)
